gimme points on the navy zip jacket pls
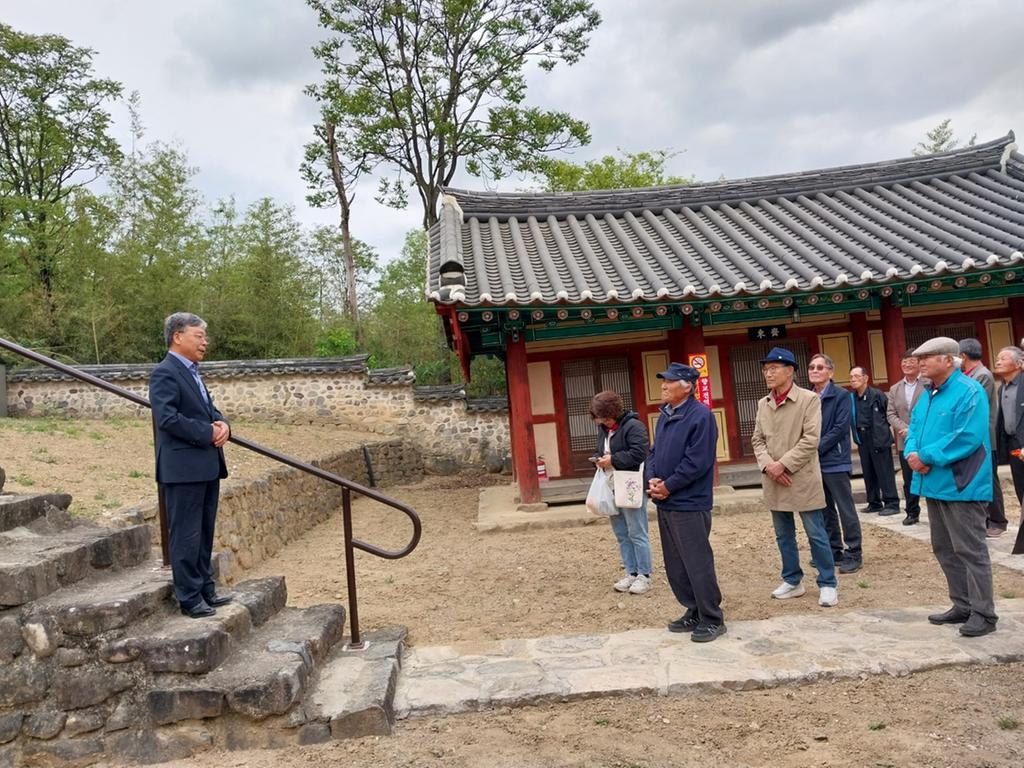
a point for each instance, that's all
(629, 443)
(683, 456)
(834, 443)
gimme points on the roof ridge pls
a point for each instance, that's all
(503, 205)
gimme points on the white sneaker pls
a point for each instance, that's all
(640, 585)
(785, 590)
(829, 597)
(623, 584)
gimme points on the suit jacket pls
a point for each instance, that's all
(1002, 439)
(877, 435)
(897, 411)
(983, 376)
(184, 427)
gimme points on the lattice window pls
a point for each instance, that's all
(582, 380)
(915, 337)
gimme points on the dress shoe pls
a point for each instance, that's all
(198, 611)
(216, 600)
(685, 623)
(910, 520)
(952, 616)
(886, 511)
(994, 533)
(850, 565)
(870, 510)
(977, 625)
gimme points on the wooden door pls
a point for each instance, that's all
(582, 379)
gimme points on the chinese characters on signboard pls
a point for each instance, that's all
(702, 392)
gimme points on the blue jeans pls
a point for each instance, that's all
(630, 528)
(821, 550)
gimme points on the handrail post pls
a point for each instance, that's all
(355, 640)
(161, 505)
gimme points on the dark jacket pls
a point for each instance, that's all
(870, 424)
(184, 427)
(683, 456)
(1004, 442)
(629, 442)
(834, 444)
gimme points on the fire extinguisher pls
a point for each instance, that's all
(542, 470)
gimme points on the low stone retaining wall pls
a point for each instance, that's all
(256, 519)
(451, 430)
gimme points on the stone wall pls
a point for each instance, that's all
(450, 430)
(256, 519)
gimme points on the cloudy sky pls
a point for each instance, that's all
(738, 88)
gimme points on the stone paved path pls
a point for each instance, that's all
(754, 654)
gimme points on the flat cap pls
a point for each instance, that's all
(940, 345)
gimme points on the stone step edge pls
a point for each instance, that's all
(17, 510)
(896, 642)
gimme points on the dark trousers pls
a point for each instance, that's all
(841, 519)
(690, 563)
(996, 511)
(958, 541)
(1017, 472)
(191, 514)
(911, 501)
(879, 477)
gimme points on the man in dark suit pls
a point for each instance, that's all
(973, 368)
(1009, 368)
(190, 434)
(902, 398)
(874, 440)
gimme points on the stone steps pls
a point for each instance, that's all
(17, 510)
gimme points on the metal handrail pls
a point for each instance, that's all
(347, 486)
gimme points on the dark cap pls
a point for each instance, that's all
(679, 372)
(779, 355)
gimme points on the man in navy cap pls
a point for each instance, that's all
(787, 429)
(679, 473)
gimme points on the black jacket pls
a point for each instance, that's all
(629, 442)
(870, 423)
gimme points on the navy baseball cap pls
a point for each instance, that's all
(679, 372)
(779, 355)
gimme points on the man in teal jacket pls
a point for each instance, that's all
(948, 447)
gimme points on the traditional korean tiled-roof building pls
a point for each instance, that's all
(579, 292)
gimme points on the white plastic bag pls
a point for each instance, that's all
(601, 497)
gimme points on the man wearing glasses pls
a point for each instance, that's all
(874, 441)
(785, 442)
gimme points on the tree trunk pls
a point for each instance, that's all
(346, 233)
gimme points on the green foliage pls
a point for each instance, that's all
(1008, 723)
(878, 726)
(940, 139)
(336, 342)
(421, 87)
(633, 169)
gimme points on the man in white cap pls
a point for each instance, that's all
(949, 451)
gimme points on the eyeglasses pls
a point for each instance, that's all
(818, 368)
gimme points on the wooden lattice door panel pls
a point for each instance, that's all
(915, 337)
(582, 380)
(748, 382)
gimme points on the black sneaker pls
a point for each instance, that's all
(705, 633)
(952, 616)
(911, 520)
(685, 623)
(976, 626)
(886, 511)
(870, 510)
(850, 565)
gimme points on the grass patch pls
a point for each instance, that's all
(43, 455)
(1008, 722)
(1007, 594)
(879, 726)
(98, 436)
(864, 584)
(100, 496)
(112, 504)
(135, 473)
(601, 721)
(24, 480)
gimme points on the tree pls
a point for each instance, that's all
(325, 254)
(54, 140)
(633, 169)
(940, 139)
(423, 86)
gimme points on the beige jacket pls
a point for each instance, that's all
(789, 433)
(897, 412)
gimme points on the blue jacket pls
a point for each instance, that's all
(683, 456)
(834, 444)
(184, 427)
(949, 432)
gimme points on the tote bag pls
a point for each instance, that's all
(629, 488)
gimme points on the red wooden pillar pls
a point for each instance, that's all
(1017, 318)
(861, 343)
(524, 447)
(685, 341)
(895, 339)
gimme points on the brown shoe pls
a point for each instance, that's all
(994, 533)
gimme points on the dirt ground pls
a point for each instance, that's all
(462, 585)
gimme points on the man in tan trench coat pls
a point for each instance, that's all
(785, 442)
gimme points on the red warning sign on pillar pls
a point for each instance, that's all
(702, 392)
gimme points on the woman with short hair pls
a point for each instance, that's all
(622, 444)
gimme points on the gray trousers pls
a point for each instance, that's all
(841, 519)
(958, 541)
